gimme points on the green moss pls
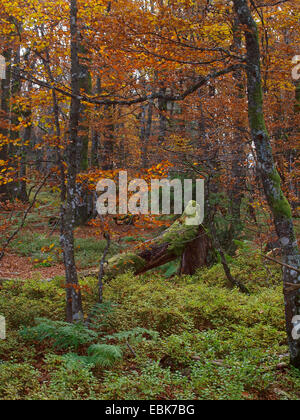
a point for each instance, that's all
(276, 178)
(282, 207)
(256, 115)
(178, 238)
(181, 233)
(123, 262)
(280, 204)
(211, 342)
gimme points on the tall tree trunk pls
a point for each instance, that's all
(15, 114)
(22, 190)
(297, 111)
(84, 197)
(145, 131)
(27, 115)
(238, 186)
(4, 115)
(277, 201)
(163, 122)
(107, 157)
(73, 294)
(95, 158)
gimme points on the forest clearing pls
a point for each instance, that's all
(149, 202)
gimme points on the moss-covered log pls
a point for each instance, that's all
(170, 245)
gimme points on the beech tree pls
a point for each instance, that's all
(279, 205)
(74, 304)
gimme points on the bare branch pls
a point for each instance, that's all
(203, 80)
(13, 235)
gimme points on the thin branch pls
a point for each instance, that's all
(127, 101)
(281, 263)
(13, 235)
(225, 265)
(272, 5)
(130, 348)
(102, 262)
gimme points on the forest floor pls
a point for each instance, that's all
(35, 252)
(190, 338)
(157, 336)
(15, 266)
(24, 260)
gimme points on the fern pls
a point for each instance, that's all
(62, 334)
(104, 355)
(99, 355)
(73, 360)
(100, 315)
(137, 334)
(65, 336)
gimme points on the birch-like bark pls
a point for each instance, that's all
(238, 187)
(279, 205)
(73, 294)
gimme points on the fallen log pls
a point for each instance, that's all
(167, 247)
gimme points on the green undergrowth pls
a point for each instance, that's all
(44, 250)
(153, 338)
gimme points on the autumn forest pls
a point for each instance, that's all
(194, 295)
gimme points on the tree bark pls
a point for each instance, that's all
(95, 158)
(163, 122)
(27, 115)
(238, 186)
(15, 114)
(4, 114)
(107, 156)
(196, 253)
(73, 294)
(280, 208)
(84, 197)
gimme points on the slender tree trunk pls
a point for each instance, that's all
(297, 97)
(74, 304)
(107, 157)
(59, 153)
(277, 201)
(4, 115)
(84, 197)
(15, 114)
(162, 106)
(95, 158)
(27, 115)
(148, 134)
(145, 132)
(297, 153)
(22, 191)
(238, 186)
